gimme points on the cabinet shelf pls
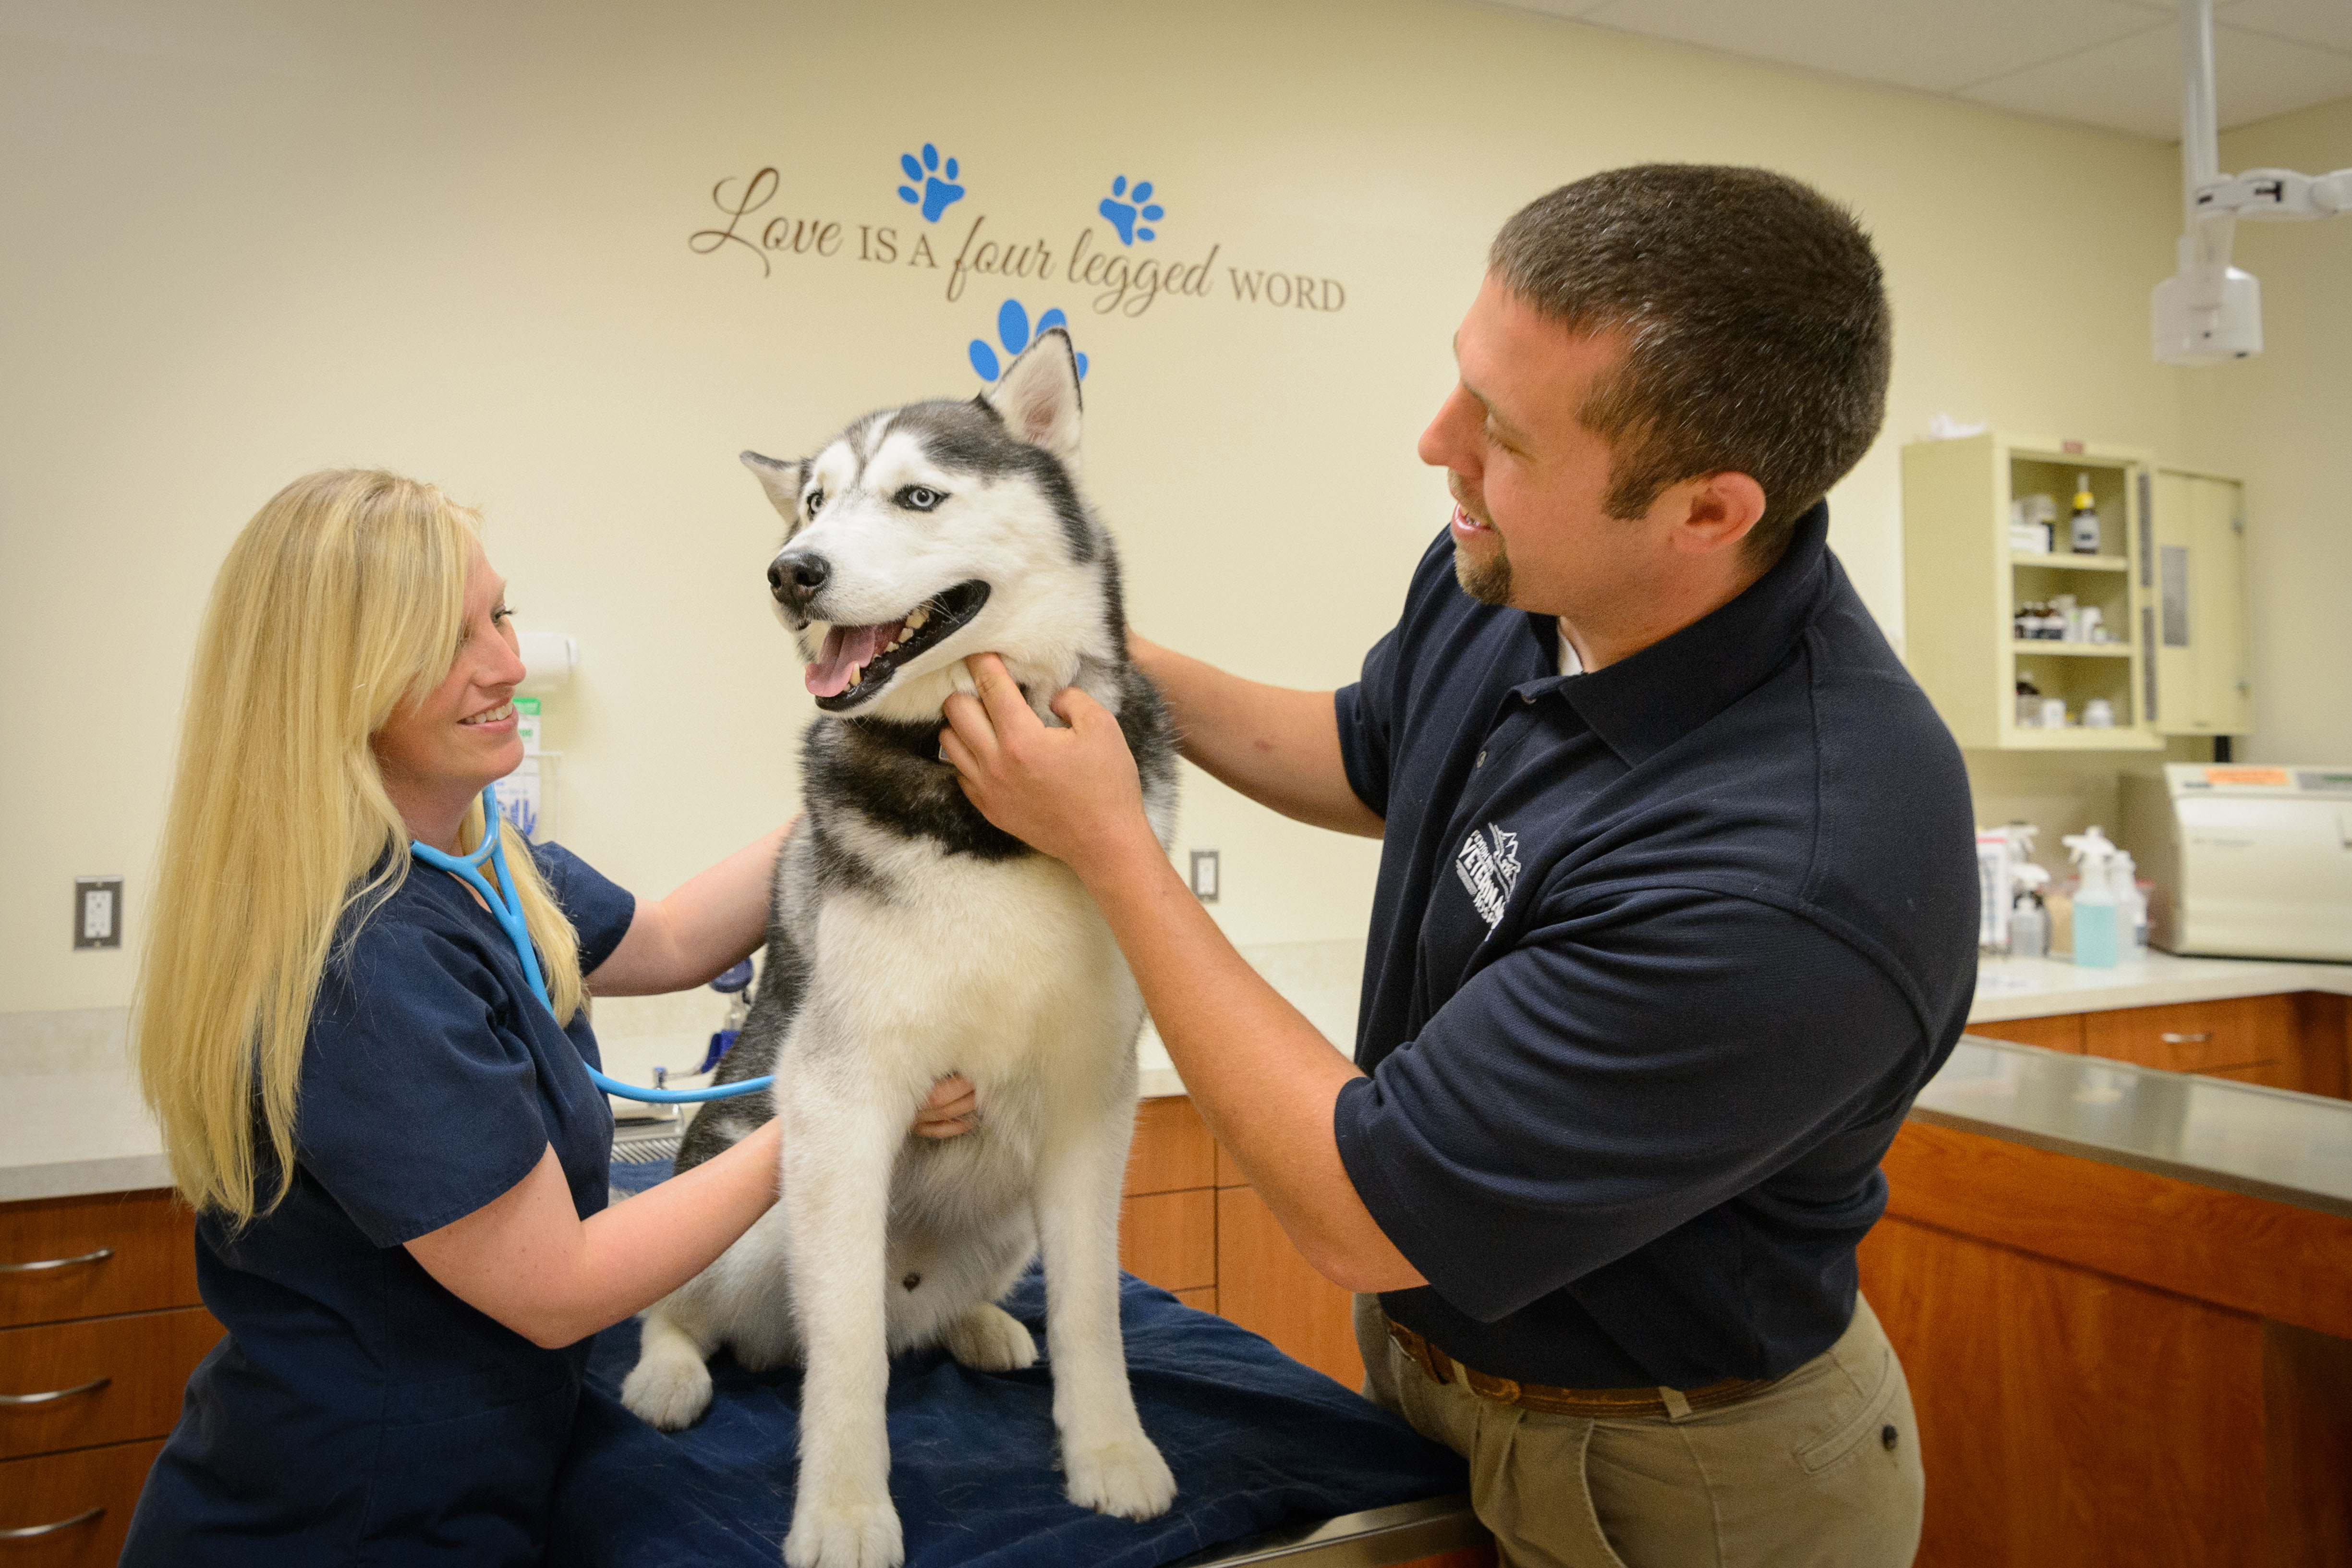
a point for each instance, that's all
(2038, 646)
(2056, 562)
(1964, 585)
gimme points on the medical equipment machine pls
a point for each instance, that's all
(2247, 862)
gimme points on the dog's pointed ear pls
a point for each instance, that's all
(1038, 395)
(780, 480)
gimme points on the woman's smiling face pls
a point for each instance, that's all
(460, 735)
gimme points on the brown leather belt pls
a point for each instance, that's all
(1589, 1402)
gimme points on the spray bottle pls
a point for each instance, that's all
(2095, 914)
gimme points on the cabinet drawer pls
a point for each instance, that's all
(1171, 1150)
(1170, 1239)
(2196, 1036)
(63, 1489)
(109, 1379)
(87, 1257)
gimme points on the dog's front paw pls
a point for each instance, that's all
(989, 1339)
(844, 1535)
(1125, 1477)
(668, 1391)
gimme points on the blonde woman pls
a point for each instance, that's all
(396, 1154)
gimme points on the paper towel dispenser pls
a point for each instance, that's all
(2247, 862)
(547, 661)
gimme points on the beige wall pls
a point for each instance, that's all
(2279, 421)
(245, 240)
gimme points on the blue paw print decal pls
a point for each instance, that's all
(937, 190)
(1014, 331)
(1129, 216)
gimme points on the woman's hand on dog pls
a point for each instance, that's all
(1067, 793)
(951, 1110)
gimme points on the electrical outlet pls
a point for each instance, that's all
(98, 911)
(1205, 875)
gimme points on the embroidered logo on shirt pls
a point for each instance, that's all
(1488, 864)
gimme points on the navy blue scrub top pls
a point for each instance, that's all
(358, 1412)
(1659, 956)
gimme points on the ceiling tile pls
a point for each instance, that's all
(1930, 45)
(2327, 23)
(1569, 8)
(2134, 84)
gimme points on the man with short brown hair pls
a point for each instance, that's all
(1676, 907)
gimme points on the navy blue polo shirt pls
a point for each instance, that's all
(1659, 956)
(358, 1412)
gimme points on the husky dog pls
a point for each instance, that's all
(909, 939)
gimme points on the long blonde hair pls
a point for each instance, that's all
(343, 598)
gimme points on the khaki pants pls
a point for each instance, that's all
(1822, 1468)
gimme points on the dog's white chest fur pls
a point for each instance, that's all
(1001, 971)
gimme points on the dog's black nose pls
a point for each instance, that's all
(796, 576)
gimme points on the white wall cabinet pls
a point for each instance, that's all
(1963, 583)
(2193, 613)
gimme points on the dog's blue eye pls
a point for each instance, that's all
(920, 497)
(815, 502)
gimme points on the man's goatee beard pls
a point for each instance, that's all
(1488, 581)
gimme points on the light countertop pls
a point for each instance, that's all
(77, 1125)
(2038, 987)
(75, 1122)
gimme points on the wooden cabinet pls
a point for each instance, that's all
(2297, 1041)
(2196, 1036)
(1264, 1285)
(100, 1327)
(2113, 1368)
(1191, 1224)
(1168, 1218)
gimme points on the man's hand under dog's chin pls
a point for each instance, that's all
(1071, 793)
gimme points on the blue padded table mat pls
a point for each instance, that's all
(1255, 1440)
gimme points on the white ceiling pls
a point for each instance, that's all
(2111, 63)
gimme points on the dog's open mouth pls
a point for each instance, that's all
(857, 661)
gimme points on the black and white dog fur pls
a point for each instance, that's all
(909, 939)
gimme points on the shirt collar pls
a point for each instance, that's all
(1646, 702)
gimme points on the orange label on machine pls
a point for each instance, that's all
(2246, 776)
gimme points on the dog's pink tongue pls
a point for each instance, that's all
(847, 649)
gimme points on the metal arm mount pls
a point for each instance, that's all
(2209, 311)
(2271, 195)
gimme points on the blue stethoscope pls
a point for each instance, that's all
(507, 908)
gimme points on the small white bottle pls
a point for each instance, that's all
(2029, 927)
(2082, 527)
(2131, 906)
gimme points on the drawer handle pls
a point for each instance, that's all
(100, 1256)
(2199, 1038)
(26, 1532)
(54, 1394)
